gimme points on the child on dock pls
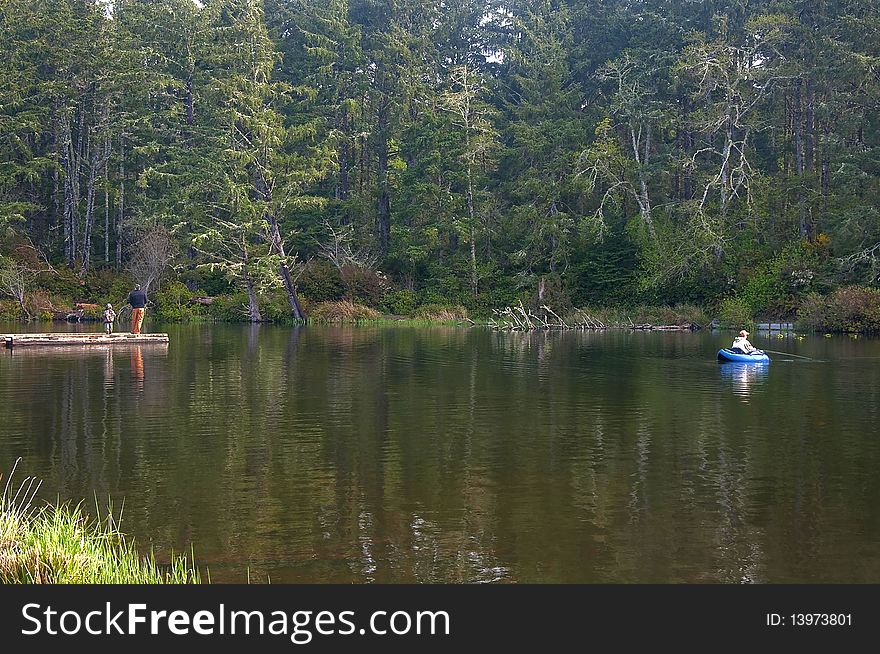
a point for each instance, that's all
(109, 317)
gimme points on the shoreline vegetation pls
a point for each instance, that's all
(523, 318)
(58, 296)
(61, 544)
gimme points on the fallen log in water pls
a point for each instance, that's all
(688, 327)
(518, 318)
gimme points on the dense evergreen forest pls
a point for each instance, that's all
(402, 153)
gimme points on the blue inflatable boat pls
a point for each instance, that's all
(732, 355)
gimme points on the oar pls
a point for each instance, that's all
(789, 354)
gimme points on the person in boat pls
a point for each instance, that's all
(741, 343)
(109, 317)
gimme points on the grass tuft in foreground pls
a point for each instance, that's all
(59, 544)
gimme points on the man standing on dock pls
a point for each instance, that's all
(138, 301)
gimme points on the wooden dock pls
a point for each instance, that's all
(81, 338)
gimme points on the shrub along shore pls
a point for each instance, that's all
(60, 544)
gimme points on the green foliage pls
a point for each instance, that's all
(173, 303)
(321, 282)
(93, 313)
(735, 312)
(10, 311)
(206, 281)
(777, 287)
(106, 285)
(848, 309)
(543, 136)
(62, 283)
(605, 273)
(229, 308)
(483, 304)
(400, 303)
(65, 287)
(275, 307)
(448, 281)
(556, 296)
(364, 285)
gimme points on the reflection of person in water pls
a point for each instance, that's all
(746, 377)
(137, 366)
(108, 367)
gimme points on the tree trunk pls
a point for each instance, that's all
(342, 188)
(645, 205)
(120, 214)
(687, 191)
(190, 104)
(361, 157)
(471, 217)
(809, 147)
(94, 166)
(383, 207)
(82, 143)
(70, 200)
(826, 171)
(799, 160)
(810, 127)
(107, 209)
(254, 314)
(55, 204)
(725, 165)
(786, 132)
(290, 289)
(643, 198)
(277, 244)
(474, 280)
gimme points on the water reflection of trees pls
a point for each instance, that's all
(454, 455)
(69, 411)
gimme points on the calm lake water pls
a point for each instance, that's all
(463, 455)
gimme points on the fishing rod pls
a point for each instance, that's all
(789, 354)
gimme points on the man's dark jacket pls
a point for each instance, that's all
(137, 299)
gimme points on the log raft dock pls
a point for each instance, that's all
(80, 338)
